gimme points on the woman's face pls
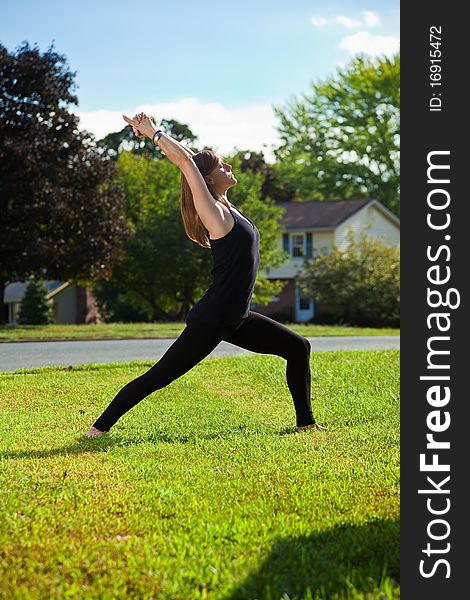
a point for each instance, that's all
(221, 177)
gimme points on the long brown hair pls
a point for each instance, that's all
(206, 161)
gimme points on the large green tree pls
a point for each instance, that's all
(162, 272)
(342, 140)
(61, 210)
(161, 269)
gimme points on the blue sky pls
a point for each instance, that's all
(217, 66)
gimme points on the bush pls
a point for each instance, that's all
(34, 309)
(360, 285)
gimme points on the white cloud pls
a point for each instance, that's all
(319, 21)
(366, 42)
(346, 22)
(217, 126)
(100, 122)
(369, 19)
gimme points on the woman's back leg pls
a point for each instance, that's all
(259, 333)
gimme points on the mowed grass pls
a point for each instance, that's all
(204, 489)
(13, 333)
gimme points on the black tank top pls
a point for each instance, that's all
(235, 266)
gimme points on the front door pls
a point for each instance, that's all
(303, 307)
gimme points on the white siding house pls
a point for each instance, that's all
(383, 224)
(312, 227)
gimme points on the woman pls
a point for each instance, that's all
(223, 312)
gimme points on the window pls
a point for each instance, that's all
(298, 244)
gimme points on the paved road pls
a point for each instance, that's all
(26, 355)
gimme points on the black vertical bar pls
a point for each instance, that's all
(285, 242)
(309, 244)
(434, 119)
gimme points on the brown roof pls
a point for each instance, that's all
(319, 214)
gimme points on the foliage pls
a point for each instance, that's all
(360, 285)
(61, 213)
(162, 273)
(119, 141)
(273, 186)
(34, 308)
(342, 140)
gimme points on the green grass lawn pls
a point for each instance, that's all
(12, 333)
(204, 489)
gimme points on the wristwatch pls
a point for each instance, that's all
(158, 134)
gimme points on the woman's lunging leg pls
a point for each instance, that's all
(259, 333)
(194, 344)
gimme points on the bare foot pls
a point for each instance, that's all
(312, 426)
(93, 432)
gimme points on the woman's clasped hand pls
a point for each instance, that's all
(142, 125)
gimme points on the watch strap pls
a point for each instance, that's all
(156, 136)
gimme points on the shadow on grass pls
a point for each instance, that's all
(103, 443)
(333, 564)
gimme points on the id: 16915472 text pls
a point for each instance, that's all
(435, 68)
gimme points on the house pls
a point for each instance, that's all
(71, 303)
(313, 227)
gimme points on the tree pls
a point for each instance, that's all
(34, 308)
(342, 140)
(360, 285)
(274, 187)
(61, 211)
(162, 272)
(118, 141)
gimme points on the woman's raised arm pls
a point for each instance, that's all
(173, 150)
(211, 214)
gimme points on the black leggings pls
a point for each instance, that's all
(256, 332)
